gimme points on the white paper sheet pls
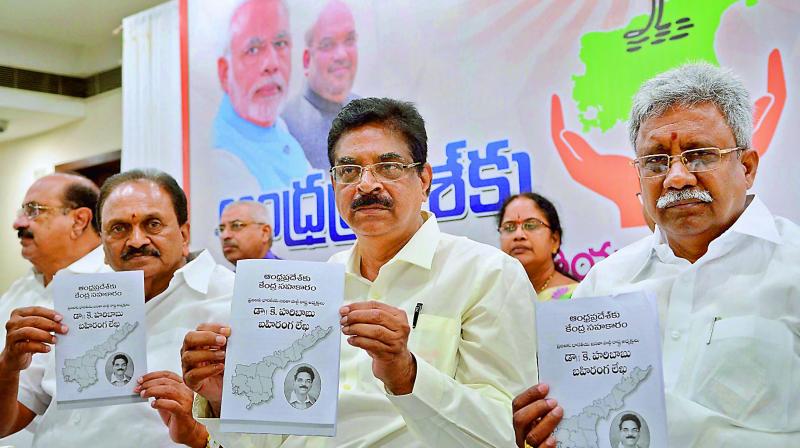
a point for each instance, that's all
(282, 358)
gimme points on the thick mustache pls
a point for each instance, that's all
(137, 251)
(337, 65)
(24, 233)
(672, 196)
(229, 243)
(372, 199)
(276, 79)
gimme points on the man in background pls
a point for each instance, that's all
(144, 226)
(303, 380)
(254, 73)
(245, 232)
(330, 60)
(57, 230)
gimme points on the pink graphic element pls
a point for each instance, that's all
(583, 261)
(611, 176)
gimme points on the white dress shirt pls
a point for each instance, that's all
(199, 292)
(29, 290)
(474, 343)
(731, 329)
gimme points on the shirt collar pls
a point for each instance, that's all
(293, 398)
(90, 263)
(419, 250)
(756, 220)
(321, 103)
(197, 272)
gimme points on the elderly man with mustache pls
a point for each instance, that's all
(245, 231)
(143, 226)
(724, 269)
(254, 73)
(437, 328)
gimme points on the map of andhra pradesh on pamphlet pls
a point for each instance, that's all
(104, 351)
(601, 357)
(282, 358)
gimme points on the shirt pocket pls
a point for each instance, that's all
(746, 372)
(436, 339)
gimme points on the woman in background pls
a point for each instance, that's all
(531, 232)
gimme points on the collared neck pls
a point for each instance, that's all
(293, 398)
(196, 273)
(321, 103)
(756, 221)
(89, 263)
(419, 250)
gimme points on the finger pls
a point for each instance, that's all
(372, 304)
(38, 311)
(776, 81)
(370, 331)
(544, 429)
(533, 393)
(31, 347)
(160, 382)
(376, 317)
(372, 346)
(42, 323)
(216, 328)
(161, 374)
(200, 358)
(30, 334)
(168, 392)
(579, 146)
(194, 377)
(198, 339)
(171, 406)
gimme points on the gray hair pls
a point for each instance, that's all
(689, 85)
(258, 211)
(225, 44)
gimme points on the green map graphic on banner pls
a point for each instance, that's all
(619, 61)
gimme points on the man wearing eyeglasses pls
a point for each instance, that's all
(245, 231)
(143, 220)
(438, 328)
(57, 231)
(724, 269)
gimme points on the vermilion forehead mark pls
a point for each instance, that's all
(674, 136)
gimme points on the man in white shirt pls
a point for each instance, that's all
(144, 226)
(724, 269)
(437, 329)
(56, 228)
(119, 374)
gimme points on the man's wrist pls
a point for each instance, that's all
(408, 378)
(200, 439)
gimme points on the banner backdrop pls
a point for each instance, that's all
(517, 95)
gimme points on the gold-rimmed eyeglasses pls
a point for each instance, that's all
(695, 160)
(528, 226)
(382, 171)
(33, 210)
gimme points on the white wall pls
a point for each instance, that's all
(59, 57)
(24, 160)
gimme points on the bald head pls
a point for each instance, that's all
(245, 231)
(331, 55)
(56, 223)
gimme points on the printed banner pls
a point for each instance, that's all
(517, 95)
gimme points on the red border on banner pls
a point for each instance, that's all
(184, 49)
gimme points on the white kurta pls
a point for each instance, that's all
(731, 330)
(198, 292)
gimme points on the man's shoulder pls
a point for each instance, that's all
(221, 281)
(616, 268)
(22, 289)
(468, 249)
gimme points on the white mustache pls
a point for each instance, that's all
(672, 196)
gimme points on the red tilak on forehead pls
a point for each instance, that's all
(674, 136)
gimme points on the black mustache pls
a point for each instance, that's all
(372, 199)
(136, 251)
(24, 233)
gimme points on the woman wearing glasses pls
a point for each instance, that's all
(531, 232)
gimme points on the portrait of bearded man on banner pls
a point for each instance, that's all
(254, 74)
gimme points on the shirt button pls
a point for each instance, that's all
(676, 334)
(76, 418)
